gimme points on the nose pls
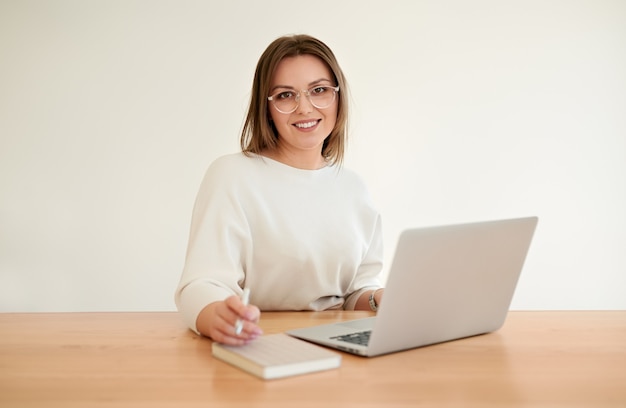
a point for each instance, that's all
(304, 103)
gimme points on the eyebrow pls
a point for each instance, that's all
(274, 88)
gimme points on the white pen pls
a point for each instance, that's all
(245, 298)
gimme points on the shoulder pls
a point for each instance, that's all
(223, 172)
(232, 161)
(232, 166)
(349, 178)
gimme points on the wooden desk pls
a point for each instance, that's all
(538, 359)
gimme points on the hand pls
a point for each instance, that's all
(218, 320)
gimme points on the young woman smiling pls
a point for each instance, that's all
(283, 218)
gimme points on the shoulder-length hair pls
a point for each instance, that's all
(259, 132)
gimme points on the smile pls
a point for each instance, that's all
(306, 125)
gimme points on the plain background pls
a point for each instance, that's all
(111, 111)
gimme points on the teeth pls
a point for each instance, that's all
(306, 125)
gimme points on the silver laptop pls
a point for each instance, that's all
(445, 283)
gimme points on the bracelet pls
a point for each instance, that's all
(372, 301)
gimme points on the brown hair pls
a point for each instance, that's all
(258, 132)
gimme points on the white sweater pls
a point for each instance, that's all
(299, 239)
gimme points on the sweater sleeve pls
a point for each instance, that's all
(368, 273)
(218, 240)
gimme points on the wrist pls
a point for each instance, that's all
(373, 303)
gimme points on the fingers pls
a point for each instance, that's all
(250, 312)
(240, 323)
(220, 320)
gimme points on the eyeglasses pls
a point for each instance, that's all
(320, 96)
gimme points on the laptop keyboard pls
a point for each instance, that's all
(362, 338)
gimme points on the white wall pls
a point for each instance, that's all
(110, 111)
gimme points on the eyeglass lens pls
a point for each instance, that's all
(320, 97)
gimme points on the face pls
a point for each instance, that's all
(302, 131)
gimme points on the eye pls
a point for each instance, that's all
(285, 95)
(319, 90)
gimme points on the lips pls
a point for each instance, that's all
(306, 124)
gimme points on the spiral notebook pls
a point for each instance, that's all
(277, 356)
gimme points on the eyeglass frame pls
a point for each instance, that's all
(307, 93)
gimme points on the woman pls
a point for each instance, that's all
(283, 218)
